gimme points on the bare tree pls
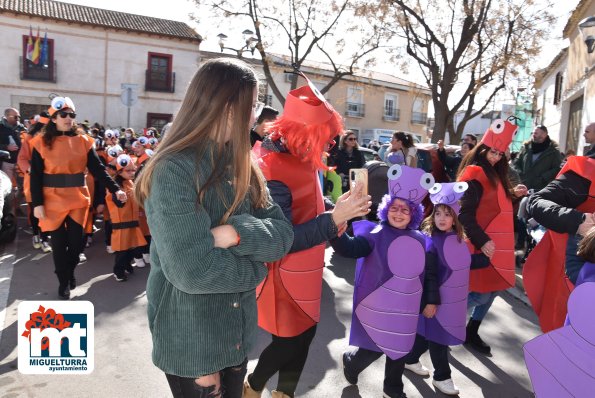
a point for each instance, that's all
(479, 44)
(307, 26)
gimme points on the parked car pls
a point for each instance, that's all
(369, 154)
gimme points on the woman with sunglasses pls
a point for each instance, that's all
(348, 157)
(60, 197)
(486, 215)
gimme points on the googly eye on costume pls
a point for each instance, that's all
(62, 102)
(435, 189)
(394, 172)
(427, 181)
(114, 151)
(143, 141)
(109, 134)
(136, 144)
(123, 161)
(460, 187)
(497, 126)
(153, 141)
(150, 152)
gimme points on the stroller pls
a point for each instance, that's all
(377, 183)
(8, 219)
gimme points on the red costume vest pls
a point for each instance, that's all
(289, 298)
(544, 276)
(126, 233)
(494, 215)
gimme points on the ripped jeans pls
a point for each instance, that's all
(232, 384)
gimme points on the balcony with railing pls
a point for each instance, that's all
(392, 114)
(419, 117)
(40, 73)
(354, 109)
(160, 81)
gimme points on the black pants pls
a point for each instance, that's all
(123, 260)
(108, 232)
(360, 358)
(145, 249)
(438, 354)
(67, 244)
(34, 221)
(232, 384)
(286, 355)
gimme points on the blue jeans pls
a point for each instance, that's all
(232, 384)
(573, 262)
(481, 303)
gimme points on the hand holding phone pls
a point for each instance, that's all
(359, 175)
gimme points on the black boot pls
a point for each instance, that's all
(473, 338)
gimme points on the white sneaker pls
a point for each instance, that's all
(446, 387)
(418, 369)
(82, 258)
(109, 249)
(139, 263)
(45, 247)
(36, 242)
(147, 258)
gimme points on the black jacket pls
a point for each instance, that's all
(5, 133)
(345, 162)
(554, 206)
(451, 163)
(536, 175)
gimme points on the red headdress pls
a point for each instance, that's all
(499, 135)
(307, 125)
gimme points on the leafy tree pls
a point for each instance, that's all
(479, 44)
(327, 28)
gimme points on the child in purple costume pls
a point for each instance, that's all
(395, 279)
(446, 326)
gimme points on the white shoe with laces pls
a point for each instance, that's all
(82, 258)
(418, 369)
(446, 387)
(109, 249)
(139, 263)
(45, 247)
(36, 242)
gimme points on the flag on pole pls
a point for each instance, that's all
(29, 54)
(44, 51)
(36, 49)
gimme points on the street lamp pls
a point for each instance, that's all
(587, 28)
(249, 39)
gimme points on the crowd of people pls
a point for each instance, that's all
(229, 212)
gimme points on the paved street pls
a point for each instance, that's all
(123, 344)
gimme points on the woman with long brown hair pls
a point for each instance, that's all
(60, 196)
(486, 214)
(213, 226)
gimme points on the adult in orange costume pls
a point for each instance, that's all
(486, 214)
(60, 196)
(566, 207)
(289, 298)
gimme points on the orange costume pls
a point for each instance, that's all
(65, 192)
(544, 276)
(126, 233)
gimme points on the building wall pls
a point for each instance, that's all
(92, 63)
(550, 114)
(580, 80)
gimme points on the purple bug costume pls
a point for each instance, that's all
(561, 363)
(388, 282)
(454, 260)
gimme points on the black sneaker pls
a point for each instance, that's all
(129, 269)
(121, 277)
(349, 377)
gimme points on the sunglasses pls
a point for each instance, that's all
(350, 139)
(64, 114)
(497, 153)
